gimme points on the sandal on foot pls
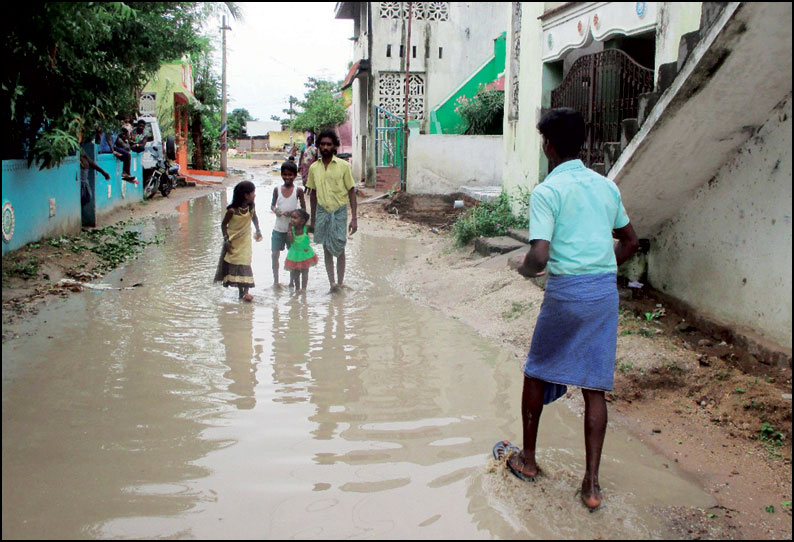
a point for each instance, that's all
(500, 450)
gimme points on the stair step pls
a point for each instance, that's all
(709, 11)
(496, 245)
(647, 102)
(686, 46)
(667, 73)
(628, 129)
(612, 151)
(519, 235)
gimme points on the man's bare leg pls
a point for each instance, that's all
(531, 409)
(329, 268)
(595, 427)
(340, 268)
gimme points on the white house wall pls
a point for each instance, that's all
(728, 251)
(521, 141)
(675, 19)
(466, 40)
(441, 164)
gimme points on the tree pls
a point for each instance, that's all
(236, 122)
(482, 114)
(205, 115)
(320, 108)
(72, 65)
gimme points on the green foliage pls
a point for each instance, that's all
(71, 65)
(656, 314)
(26, 269)
(319, 108)
(205, 116)
(236, 121)
(483, 114)
(492, 218)
(517, 309)
(769, 433)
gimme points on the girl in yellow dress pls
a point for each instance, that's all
(234, 268)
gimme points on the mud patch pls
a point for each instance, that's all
(438, 211)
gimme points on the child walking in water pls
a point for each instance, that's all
(285, 200)
(234, 267)
(301, 256)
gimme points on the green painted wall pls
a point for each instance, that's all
(164, 84)
(444, 119)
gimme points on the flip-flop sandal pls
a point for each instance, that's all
(500, 450)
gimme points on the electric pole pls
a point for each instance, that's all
(407, 132)
(224, 128)
(291, 101)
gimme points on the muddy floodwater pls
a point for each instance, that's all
(173, 410)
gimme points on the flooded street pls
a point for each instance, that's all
(175, 411)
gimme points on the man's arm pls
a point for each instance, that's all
(301, 198)
(627, 243)
(95, 166)
(536, 259)
(351, 196)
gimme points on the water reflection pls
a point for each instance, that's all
(291, 350)
(236, 328)
(336, 379)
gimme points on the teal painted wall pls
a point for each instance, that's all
(444, 119)
(29, 191)
(121, 192)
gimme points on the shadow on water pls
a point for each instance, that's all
(177, 411)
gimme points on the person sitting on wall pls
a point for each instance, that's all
(138, 137)
(122, 151)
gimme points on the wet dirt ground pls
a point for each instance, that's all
(175, 411)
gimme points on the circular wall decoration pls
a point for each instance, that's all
(595, 20)
(580, 28)
(8, 221)
(551, 41)
(640, 8)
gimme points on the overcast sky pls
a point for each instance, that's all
(276, 47)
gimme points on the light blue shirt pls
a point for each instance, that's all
(576, 209)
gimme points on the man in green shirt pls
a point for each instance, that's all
(332, 187)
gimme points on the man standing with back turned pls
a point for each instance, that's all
(575, 215)
(331, 184)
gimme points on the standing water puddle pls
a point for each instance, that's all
(174, 410)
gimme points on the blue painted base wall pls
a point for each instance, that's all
(29, 191)
(121, 192)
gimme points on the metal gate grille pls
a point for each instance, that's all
(605, 88)
(389, 138)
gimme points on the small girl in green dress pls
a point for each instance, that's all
(301, 256)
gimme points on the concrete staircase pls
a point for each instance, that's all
(667, 73)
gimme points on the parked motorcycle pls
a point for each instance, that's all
(164, 176)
